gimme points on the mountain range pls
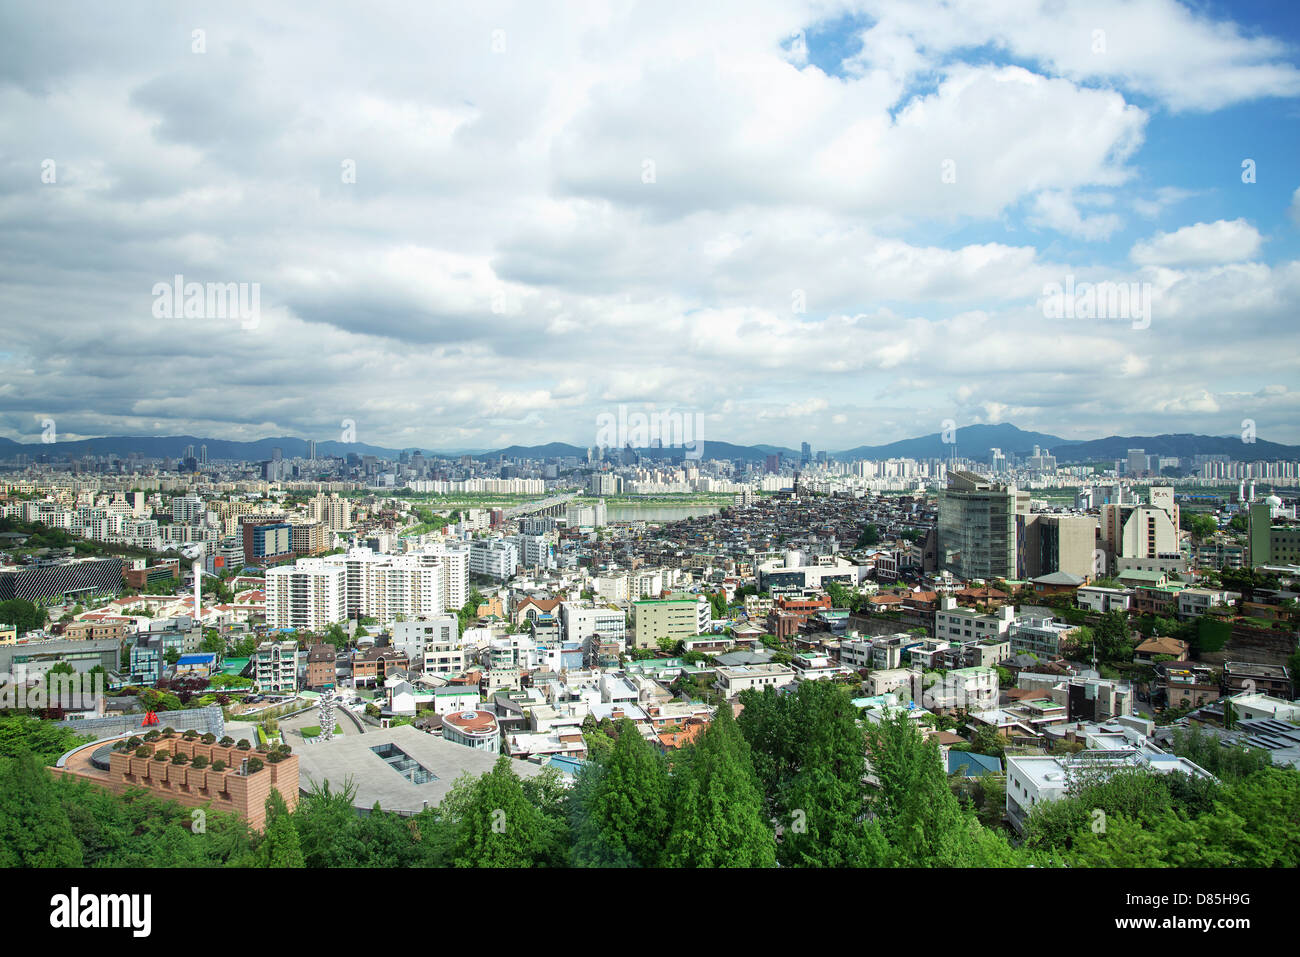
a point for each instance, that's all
(971, 442)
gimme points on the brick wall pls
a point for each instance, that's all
(227, 790)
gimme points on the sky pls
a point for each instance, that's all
(475, 225)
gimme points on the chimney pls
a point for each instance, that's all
(198, 590)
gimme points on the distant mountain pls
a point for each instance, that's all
(173, 446)
(552, 450)
(1182, 445)
(972, 441)
(712, 450)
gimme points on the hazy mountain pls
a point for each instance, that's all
(972, 442)
(173, 446)
(1182, 446)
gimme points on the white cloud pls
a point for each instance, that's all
(500, 270)
(1057, 210)
(1200, 244)
(1181, 56)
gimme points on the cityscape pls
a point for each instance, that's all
(787, 437)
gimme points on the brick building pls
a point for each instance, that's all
(230, 789)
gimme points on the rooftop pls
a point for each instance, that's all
(352, 756)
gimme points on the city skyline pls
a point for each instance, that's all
(979, 443)
(811, 221)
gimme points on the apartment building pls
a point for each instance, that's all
(311, 594)
(496, 558)
(673, 619)
(1044, 637)
(309, 538)
(955, 623)
(275, 667)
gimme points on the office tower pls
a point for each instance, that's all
(1142, 531)
(977, 526)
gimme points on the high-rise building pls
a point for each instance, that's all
(1048, 543)
(1137, 531)
(977, 526)
(266, 542)
(311, 595)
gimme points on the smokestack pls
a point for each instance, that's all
(198, 590)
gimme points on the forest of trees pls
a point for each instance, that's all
(785, 783)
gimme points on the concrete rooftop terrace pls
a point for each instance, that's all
(353, 757)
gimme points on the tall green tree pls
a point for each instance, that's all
(279, 846)
(24, 615)
(718, 818)
(497, 826)
(623, 817)
(917, 811)
(823, 804)
(34, 828)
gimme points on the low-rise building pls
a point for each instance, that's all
(732, 681)
(1045, 637)
(275, 667)
(955, 623)
(1035, 779)
(1101, 600)
(321, 667)
(473, 729)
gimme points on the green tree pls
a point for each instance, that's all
(823, 804)
(24, 615)
(279, 846)
(718, 818)
(327, 826)
(870, 535)
(34, 829)
(1201, 525)
(918, 813)
(497, 826)
(987, 741)
(622, 817)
